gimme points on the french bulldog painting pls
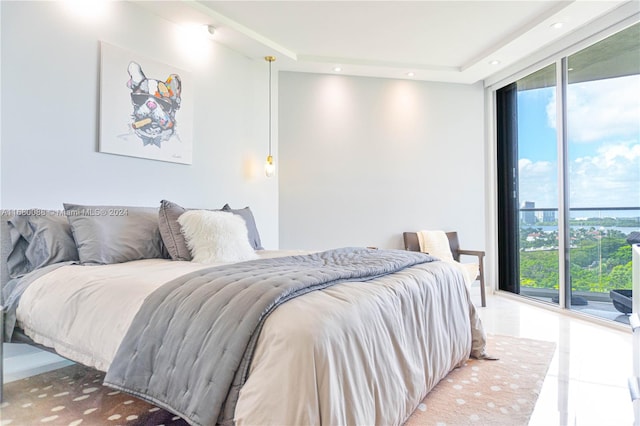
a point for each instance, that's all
(155, 104)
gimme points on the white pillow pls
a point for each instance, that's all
(436, 244)
(216, 236)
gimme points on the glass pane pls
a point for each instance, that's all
(538, 185)
(603, 125)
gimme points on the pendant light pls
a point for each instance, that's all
(269, 166)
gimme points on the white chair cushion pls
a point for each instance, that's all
(470, 271)
(436, 244)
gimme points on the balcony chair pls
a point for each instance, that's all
(437, 247)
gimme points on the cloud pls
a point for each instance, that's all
(605, 114)
(601, 110)
(611, 178)
(538, 182)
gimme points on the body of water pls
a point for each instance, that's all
(624, 229)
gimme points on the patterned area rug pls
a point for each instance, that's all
(482, 392)
(500, 392)
(75, 396)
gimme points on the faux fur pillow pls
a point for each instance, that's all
(214, 236)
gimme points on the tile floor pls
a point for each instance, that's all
(587, 380)
(586, 383)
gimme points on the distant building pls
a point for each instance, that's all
(548, 216)
(529, 217)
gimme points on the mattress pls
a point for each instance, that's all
(354, 353)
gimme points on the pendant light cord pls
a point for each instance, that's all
(270, 107)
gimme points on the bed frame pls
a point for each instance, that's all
(18, 335)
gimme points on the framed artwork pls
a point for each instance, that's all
(145, 107)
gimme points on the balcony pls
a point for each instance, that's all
(599, 256)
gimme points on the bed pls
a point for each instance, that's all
(242, 335)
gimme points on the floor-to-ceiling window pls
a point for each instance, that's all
(569, 177)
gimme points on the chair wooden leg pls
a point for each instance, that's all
(483, 297)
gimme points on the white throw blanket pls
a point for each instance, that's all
(436, 244)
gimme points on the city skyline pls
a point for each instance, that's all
(547, 214)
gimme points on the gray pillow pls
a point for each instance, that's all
(39, 238)
(114, 234)
(170, 230)
(254, 236)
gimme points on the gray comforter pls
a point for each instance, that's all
(190, 346)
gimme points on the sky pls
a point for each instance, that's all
(603, 119)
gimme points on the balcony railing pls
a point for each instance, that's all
(599, 255)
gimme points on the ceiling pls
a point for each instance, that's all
(450, 41)
(616, 56)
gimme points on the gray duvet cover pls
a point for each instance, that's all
(190, 346)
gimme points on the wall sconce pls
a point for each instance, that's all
(269, 166)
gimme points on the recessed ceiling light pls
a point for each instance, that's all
(494, 62)
(88, 9)
(411, 74)
(337, 69)
(557, 25)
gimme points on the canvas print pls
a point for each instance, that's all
(145, 107)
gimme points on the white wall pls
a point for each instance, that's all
(50, 97)
(364, 159)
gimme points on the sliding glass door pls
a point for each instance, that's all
(603, 146)
(538, 185)
(528, 156)
(569, 177)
